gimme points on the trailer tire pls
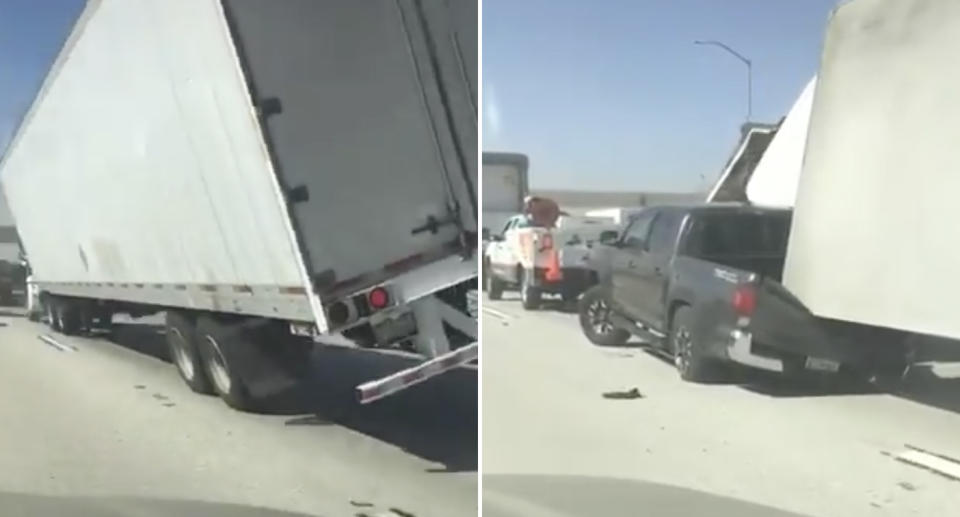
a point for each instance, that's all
(594, 316)
(218, 343)
(181, 336)
(69, 318)
(689, 357)
(530, 295)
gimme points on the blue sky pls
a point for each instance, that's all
(602, 94)
(31, 33)
(614, 95)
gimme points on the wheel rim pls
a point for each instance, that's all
(598, 315)
(218, 367)
(524, 289)
(60, 319)
(683, 348)
(180, 355)
(51, 316)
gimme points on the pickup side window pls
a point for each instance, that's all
(663, 235)
(636, 234)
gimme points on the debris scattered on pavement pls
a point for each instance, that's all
(361, 504)
(160, 396)
(937, 463)
(623, 395)
(402, 513)
(168, 404)
(909, 487)
(139, 386)
(56, 344)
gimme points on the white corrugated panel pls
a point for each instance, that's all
(774, 180)
(143, 160)
(874, 237)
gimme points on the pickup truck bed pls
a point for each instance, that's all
(704, 282)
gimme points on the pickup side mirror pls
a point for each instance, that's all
(608, 237)
(485, 234)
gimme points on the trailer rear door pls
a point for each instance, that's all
(369, 111)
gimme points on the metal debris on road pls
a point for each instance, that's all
(361, 504)
(910, 487)
(937, 463)
(56, 344)
(623, 395)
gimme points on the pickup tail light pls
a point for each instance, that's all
(546, 242)
(744, 300)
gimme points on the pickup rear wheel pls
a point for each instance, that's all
(595, 321)
(529, 294)
(494, 285)
(688, 354)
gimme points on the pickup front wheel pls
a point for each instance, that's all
(595, 320)
(688, 355)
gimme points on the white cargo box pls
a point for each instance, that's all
(874, 237)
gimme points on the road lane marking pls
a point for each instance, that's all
(56, 344)
(937, 463)
(498, 314)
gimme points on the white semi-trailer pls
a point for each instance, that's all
(258, 170)
(874, 239)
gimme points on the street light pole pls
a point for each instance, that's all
(745, 61)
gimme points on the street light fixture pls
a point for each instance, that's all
(745, 61)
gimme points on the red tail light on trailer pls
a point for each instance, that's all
(744, 300)
(378, 298)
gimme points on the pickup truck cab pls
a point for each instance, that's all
(703, 282)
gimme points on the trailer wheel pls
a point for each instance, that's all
(529, 294)
(68, 316)
(688, 355)
(594, 313)
(181, 333)
(218, 343)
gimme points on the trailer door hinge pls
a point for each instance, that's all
(298, 194)
(269, 106)
(433, 224)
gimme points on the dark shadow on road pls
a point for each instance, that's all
(785, 386)
(436, 420)
(143, 338)
(924, 386)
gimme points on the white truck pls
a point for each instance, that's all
(12, 268)
(263, 173)
(548, 258)
(505, 185)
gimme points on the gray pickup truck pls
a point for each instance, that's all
(703, 282)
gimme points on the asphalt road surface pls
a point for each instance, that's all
(111, 417)
(794, 446)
